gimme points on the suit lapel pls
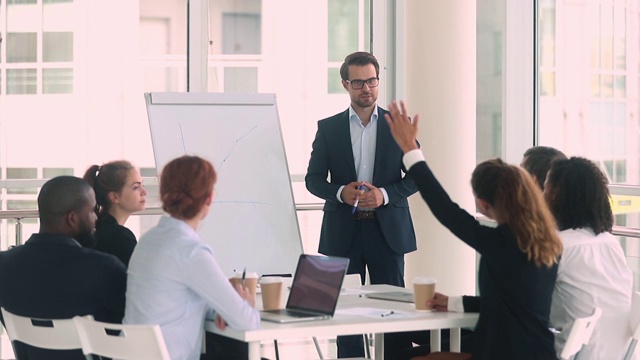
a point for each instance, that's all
(343, 135)
(383, 139)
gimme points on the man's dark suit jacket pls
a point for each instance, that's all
(53, 277)
(333, 154)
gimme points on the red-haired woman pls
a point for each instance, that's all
(173, 278)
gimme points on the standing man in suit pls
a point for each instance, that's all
(56, 274)
(366, 212)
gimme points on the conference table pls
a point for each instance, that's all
(358, 314)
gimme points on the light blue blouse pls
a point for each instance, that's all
(174, 280)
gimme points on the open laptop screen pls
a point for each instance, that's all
(317, 282)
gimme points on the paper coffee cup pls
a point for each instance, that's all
(424, 289)
(271, 289)
(250, 281)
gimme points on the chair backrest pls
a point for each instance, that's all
(351, 281)
(54, 334)
(580, 334)
(134, 342)
(634, 322)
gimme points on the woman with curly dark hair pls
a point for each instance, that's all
(593, 270)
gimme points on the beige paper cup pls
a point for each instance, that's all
(424, 289)
(271, 288)
(250, 281)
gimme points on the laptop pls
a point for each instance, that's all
(314, 290)
(392, 295)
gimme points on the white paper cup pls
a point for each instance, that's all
(271, 288)
(424, 289)
(250, 281)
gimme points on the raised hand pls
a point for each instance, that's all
(404, 131)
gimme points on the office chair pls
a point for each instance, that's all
(634, 321)
(580, 334)
(54, 334)
(135, 342)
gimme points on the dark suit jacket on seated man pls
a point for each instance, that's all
(56, 274)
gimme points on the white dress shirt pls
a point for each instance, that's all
(173, 280)
(363, 145)
(593, 272)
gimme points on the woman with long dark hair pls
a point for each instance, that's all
(518, 263)
(119, 193)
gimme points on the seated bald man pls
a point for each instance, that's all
(56, 274)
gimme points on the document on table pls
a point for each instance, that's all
(379, 313)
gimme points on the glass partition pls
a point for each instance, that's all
(589, 54)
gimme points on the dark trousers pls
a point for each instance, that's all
(369, 251)
(223, 348)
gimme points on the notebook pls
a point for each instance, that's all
(392, 295)
(314, 290)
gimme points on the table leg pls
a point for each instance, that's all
(454, 341)
(378, 346)
(435, 340)
(254, 350)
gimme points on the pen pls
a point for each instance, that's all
(387, 313)
(355, 205)
(244, 274)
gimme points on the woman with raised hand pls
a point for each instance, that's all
(119, 193)
(174, 279)
(519, 257)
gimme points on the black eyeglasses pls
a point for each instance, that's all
(359, 84)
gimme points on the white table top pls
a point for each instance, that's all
(344, 324)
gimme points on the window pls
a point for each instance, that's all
(21, 173)
(590, 107)
(57, 46)
(57, 81)
(347, 23)
(586, 104)
(21, 47)
(547, 47)
(242, 33)
(241, 79)
(489, 97)
(39, 51)
(236, 59)
(13, 2)
(48, 173)
(22, 81)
